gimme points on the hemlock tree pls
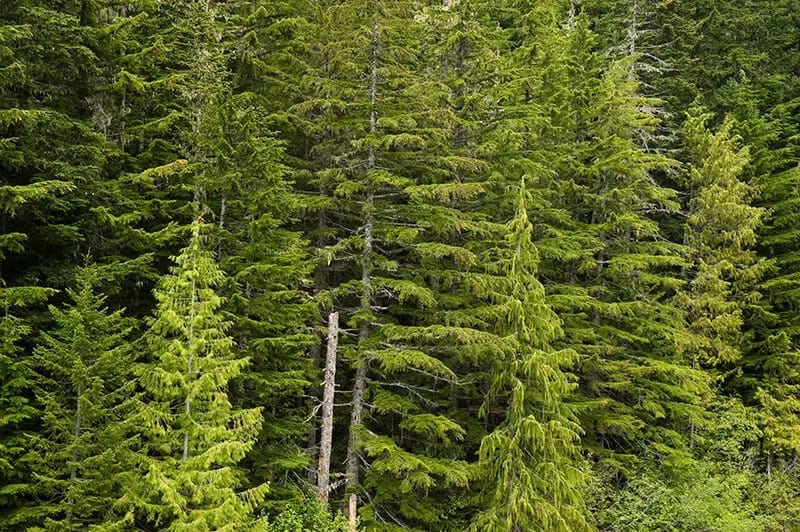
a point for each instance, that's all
(383, 205)
(530, 461)
(638, 397)
(189, 99)
(16, 410)
(84, 390)
(720, 235)
(186, 476)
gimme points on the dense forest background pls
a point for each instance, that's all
(548, 250)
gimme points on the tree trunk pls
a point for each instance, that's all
(320, 284)
(572, 15)
(366, 297)
(326, 437)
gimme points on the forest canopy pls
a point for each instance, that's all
(382, 265)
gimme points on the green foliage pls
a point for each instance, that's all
(707, 502)
(724, 491)
(192, 438)
(365, 157)
(530, 460)
(16, 411)
(308, 516)
(720, 234)
(83, 391)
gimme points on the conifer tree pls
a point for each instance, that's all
(721, 231)
(386, 207)
(611, 271)
(189, 101)
(772, 362)
(267, 268)
(16, 411)
(83, 387)
(186, 476)
(143, 101)
(46, 139)
(530, 459)
(241, 179)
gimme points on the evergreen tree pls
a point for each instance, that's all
(246, 186)
(16, 410)
(186, 475)
(363, 158)
(83, 387)
(16, 413)
(626, 326)
(530, 458)
(154, 83)
(383, 206)
(267, 267)
(721, 231)
(46, 139)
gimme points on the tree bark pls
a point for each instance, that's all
(329, 388)
(572, 15)
(366, 296)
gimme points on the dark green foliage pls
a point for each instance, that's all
(267, 267)
(46, 142)
(84, 392)
(365, 157)
(16, 412)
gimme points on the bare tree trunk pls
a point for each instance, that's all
(633, 29)
(572, 15)
(326, 437)
(320, 284)
(222, 209)
(366, 297)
